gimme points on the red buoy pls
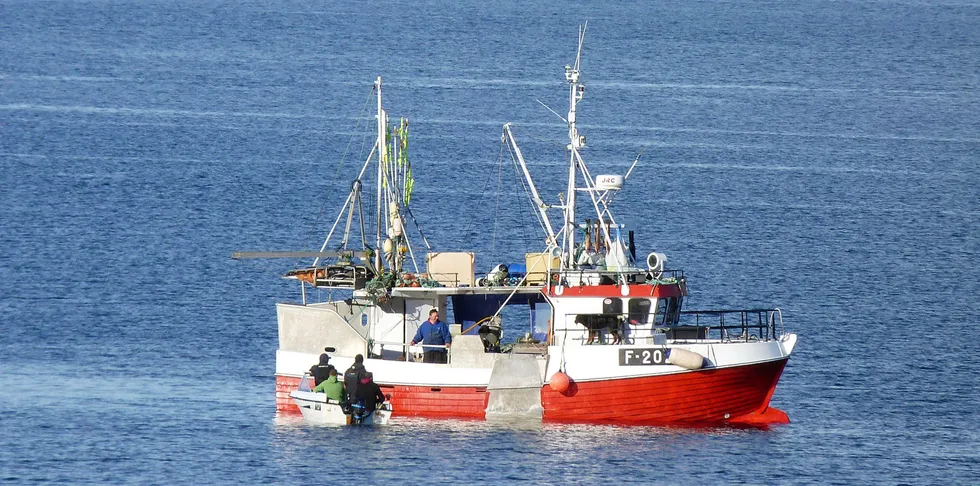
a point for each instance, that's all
(560, 382)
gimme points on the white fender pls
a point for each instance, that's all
(685, 359)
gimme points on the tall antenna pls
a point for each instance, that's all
(581, 38)
(575, 142)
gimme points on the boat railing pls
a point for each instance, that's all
(405, 349)
(742, 325)
(343, 275)
(777, 316)
(590, 328)
(449, 279)
(603, 276)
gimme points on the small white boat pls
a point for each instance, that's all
(319, 410)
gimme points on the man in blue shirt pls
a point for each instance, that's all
(434, 332)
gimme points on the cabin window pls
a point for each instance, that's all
(668, 311)
(673, 310)
(541, 315)
(639, 311)
(612, 305)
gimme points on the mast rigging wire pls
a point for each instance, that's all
(340, 164)
(527, 193)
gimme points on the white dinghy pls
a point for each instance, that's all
(317, 409)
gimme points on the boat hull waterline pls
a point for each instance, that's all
(735, 396)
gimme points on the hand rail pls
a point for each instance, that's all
(405, 347)
(765, 326)
(582, 272)
(752, 324)
(772, 317)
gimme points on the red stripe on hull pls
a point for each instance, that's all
(427, 401)
(408, 401)
(639, 290)
(701, 397)
(284, 386)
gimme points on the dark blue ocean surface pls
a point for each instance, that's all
(823, 157)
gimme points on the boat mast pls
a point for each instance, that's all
(382, 154)
(575, 92)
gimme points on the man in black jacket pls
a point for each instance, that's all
(353, 377)
(321, 371)
(370, 393)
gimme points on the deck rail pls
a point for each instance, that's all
(737, 325)
(631, 275)
(406, 349)
(730, 324)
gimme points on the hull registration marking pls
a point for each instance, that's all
(643, 357)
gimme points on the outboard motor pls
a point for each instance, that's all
(358, 413)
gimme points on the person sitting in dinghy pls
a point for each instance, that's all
(321, 370)
(353, 376)
(333, 387)
(369, 393)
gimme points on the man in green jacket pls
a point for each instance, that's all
(332, 387)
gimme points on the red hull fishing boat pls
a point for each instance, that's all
(608, 340)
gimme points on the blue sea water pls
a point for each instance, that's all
(822, 157)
